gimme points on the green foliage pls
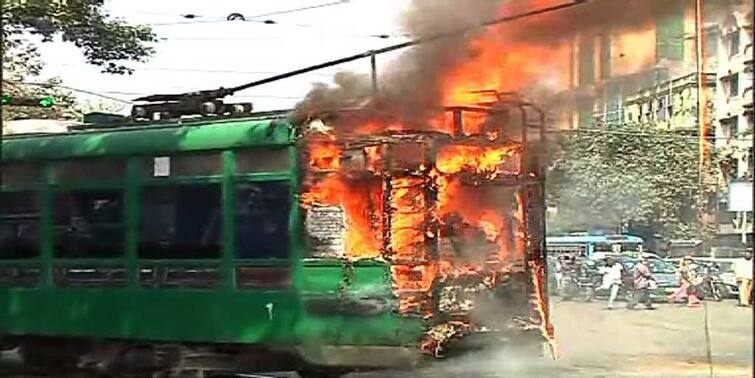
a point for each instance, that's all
(61, 108)
(627, 174)
(105, 42)
(44, 102)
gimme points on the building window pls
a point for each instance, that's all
(605, 56)
(19, 225)
(646, 112)
(586, 64)
(88, 223)
(262, 220)
(180, 222)
(732, 42)
(669, 33)
(734, 85)
(729, 127)
(712, 37)
(661, 109)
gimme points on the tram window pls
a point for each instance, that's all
(201, 164)
(19, 225)
(253, 161)
(17, 174)
(262, 220)
(180, 222)
(89, 170)
(88, 224)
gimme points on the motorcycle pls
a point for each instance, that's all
(710, 285)
(580, 281)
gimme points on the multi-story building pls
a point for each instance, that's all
(651, 74)
(734, 116)
(612, 66)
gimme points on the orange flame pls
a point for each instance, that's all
(325, 156)
(481, 159)
(422, 212)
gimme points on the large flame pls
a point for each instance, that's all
(437, 218)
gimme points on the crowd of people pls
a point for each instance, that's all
(574, 276)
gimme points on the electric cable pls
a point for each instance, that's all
(69, 88)
(255, 18)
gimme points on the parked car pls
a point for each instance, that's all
(721, 276)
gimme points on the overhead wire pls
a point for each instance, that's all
(692, 138)
(237, 96)
(205, 70)
(69, 88)
(104, 94)
(256, 18)
(272, 37)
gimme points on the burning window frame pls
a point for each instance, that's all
(393, 186)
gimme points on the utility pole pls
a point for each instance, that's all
(705, 215)
(702, 113)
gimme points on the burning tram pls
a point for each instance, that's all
(252, 243)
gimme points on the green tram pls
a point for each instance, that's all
(177, 246)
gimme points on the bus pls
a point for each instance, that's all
(586, 245)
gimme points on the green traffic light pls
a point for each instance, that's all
(6, 99)
(46, 102)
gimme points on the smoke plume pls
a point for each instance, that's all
(411, 89)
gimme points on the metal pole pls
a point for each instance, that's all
(373, 71)
(702, 121)
(701, 98)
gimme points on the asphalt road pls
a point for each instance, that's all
(592, 342)
(667, 342)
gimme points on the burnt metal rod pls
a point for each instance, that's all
(373, 71)
(402, 45)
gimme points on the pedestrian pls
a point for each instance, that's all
(611, 279)
(567, 284)
(687, 280)
(743, 272)
(643, 282)
(681, 291)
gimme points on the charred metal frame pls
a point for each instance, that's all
(529, 179)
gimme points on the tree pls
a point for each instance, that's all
(636, 175)
(106, 42)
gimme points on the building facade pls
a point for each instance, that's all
(651, 74)
(734, 119)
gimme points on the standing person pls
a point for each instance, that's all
(743, 271)
(567, 285)
(643, 280)
(682, 272)
(688, 279)
(611, 279)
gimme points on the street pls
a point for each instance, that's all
(667, 342)
(592, 342)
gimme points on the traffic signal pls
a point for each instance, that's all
(44, 102)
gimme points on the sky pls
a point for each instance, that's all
(208, 51)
